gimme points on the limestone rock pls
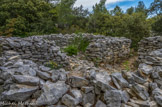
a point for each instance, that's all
(119, 81)
(113, 98)
(43, 75)
(52, 92)
(102, 80)
(140, 91)
(77, 95)
(87, 89)
(146, 69)
(27, 80)
(59, 75)
(141, 103)
(139, 79)
(18, 93)
(78, 81)
(100, 104)
(89, 98)
(157, 94)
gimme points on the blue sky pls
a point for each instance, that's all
(110, 4)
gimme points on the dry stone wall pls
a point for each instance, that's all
(45, 48)
(108, 50)
(35, 48)
(25, 81)
(147, 45)
(101, 48)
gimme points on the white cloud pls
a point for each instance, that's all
(89, 3)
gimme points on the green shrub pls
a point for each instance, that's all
(83, 44)
(79, 44)
(71, 50)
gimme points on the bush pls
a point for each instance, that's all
(71, 50)
(79, 44)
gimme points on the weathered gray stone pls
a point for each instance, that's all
(87, 89)
(100, 104)
(157, 95)
(128, 76)
(158, 100)
(18, 93)
(52, 93)
(131, 104)
(78, 81)
(140, 91)
(153, 86)
(27, 80)
(139, 79)
(69, 100)
(113, 98)
(88, 98)
(146, 69)
(119, 81)
(101, 80)
(59, 75)
(159, 82)
(77, 95)
(141, 103)
(43, 68)
(43, 75)
(124, 96)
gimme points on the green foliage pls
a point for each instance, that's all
(117, 11)
(53, 65)
(132, 26)
(35, 17)
(25, 17)
(141, 8)
(130, 10)
(157, 26)
(79, 44)
(156, 7)
(156, 10)
(126, 66)
(71, 50)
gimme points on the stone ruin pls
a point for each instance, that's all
(26, 80)
(42, 49)
(35, 48)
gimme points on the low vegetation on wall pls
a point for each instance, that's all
(78, 44)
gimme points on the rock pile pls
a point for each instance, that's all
(38, 85)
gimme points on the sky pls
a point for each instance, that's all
(110, 4)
